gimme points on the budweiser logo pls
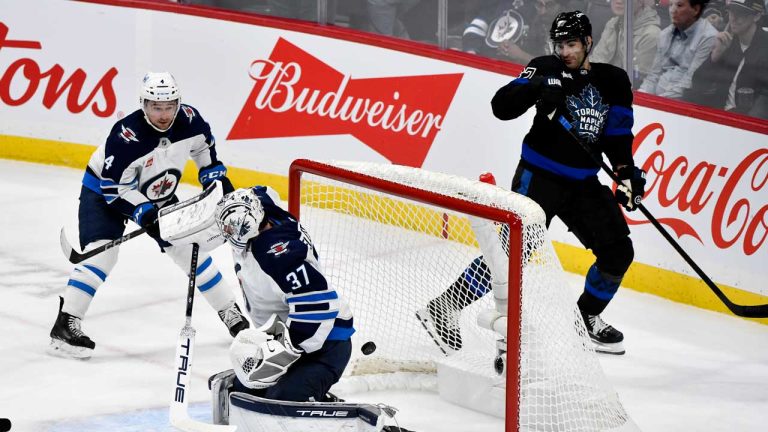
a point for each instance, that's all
(24, 77)
(735, 197)
(296, 94)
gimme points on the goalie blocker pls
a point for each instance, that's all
(253, 413)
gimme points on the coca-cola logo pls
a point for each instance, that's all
(296, 94)
(735, 197)
(24, 77)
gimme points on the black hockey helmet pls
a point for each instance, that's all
(570, 25)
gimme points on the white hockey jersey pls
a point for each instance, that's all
(279, 272)
(138, 164)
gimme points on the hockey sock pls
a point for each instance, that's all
(86, 278)
(473, 283)
(599, 289)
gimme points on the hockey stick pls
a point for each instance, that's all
(176, 221)
(746, 311)
(178, 413)
(76, 257)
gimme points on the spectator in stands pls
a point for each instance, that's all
(682, 48)
(512, 30)
(386, 16)
(735, 76)
(613, 43)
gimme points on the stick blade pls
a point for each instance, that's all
(67, 248)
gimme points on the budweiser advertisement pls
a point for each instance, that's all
(273, 95)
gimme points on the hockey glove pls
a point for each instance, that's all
(259, 360)
(552, 95)
(216, 171)
(145, 215)
(631, 190)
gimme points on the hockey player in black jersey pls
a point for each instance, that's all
(131, 176)
(556, 172)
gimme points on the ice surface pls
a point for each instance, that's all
(685, 369)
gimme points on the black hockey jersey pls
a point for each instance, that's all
(598, 106)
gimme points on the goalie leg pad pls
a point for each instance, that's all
(253, 413)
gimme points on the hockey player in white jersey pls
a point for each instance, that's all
(284, 368)
(131, 176)
(303, 344)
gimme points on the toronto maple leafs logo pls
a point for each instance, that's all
(588, 113)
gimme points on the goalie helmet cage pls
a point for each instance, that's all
(393, 239)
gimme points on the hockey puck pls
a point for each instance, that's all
(368, 348)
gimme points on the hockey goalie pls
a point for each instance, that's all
(283, 369)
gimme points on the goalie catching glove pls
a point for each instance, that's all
(262, 355)
(631, 190)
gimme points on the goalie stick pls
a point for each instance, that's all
(176, 221)
(746, 311)
(178, 412)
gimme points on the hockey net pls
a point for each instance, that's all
(392, 238)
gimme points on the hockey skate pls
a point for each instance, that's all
(605, 338)
(67, 339)
(442, 324)
(233, 318)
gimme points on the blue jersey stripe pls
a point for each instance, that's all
(91, 182)
(314, 316)
(329, 295)
(340, 333)
(543, 162)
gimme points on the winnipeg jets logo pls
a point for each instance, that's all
(160, 188)
(588, 113)
(278, 248)
(127, 134)
(189, 112)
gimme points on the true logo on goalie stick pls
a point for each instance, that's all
(181, 372)
(322, 413)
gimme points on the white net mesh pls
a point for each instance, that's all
(391, 256)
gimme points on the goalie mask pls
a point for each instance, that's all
(159, 87)
(238, 216)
